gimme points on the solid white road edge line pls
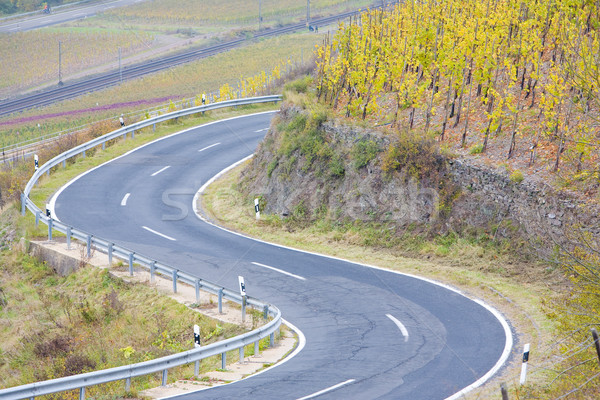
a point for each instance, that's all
(160, 170)
(159, 234)
(124, 201)
(280, 271)
(208, 147)
(508, 343)
(297, 350)
(329, 389)
(261, 130)
(400, 326)
(52, 202)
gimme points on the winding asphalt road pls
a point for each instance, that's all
(370, 333)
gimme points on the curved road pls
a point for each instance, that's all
(370, 333)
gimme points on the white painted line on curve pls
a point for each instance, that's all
(261, 130)
(160, 170)
(124, 201)
(158, 233)
(400, 326)
(329, 389)
(280, 271)
(208, 147)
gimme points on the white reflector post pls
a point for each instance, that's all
(196, 336)
(256, 208)
(524, 366)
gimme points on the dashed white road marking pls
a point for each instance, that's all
(160, 170)
(280, 271)
(159, 234)
(400, 326)
(208, 147)
(124, 201)
(329, 389)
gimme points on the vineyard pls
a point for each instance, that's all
(514, 78)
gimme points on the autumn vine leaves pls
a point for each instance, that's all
(526, 70)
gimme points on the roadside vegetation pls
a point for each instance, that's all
(57, 326)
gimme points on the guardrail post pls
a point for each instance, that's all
(110, 251)
(103, 145)
(152, 269)
(243, 308)
(37, 219)
(131, 264)
(197, 290)
(22, 204)
(175, 280)
(256, 348)
(197, 368)
(125, 135)
(241, 355)
(164, 377)
(48, 172)
(133, 134)
(153, 127)
(223, 360)
(272, 339)
(50, 229)
(68, 238)
(83, 154)
(127, 385)
(64, 163)
(221, 301)
(88, 247)
(82, 393)
(266, 312)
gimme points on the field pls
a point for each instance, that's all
(204, 76)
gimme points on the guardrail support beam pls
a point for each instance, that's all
(272, 340)
(241, 355)
(257, 348)
(130, 264)
(103, 145)
(64, 163)
(49, 229)
(197, 290)
(68, 238)
(127, 385)
(197, 368)
(82, 393)
(266, 312)
(223, 360)
(110, 256)
(165, 375)
(175, 272)
(88, 246)
(37, 219)
(152, 270)
(221, 301)
(133, 134)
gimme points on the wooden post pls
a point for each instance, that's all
(597, 343)
(504, 391)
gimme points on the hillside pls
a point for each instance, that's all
(436, 129)
(514, 82)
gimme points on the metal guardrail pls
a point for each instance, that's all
(163, 364)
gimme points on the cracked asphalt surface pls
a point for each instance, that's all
(341, 307)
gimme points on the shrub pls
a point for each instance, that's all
(299, 86)
(476, 149)
(363, 152)
(516, 176)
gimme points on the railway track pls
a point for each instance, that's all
(70, 90)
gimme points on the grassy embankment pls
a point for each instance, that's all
(89, 320)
